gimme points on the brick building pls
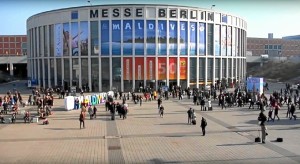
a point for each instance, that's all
(274, 47)
(13, 45)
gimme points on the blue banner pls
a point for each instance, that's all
(151, 37)
(162, 37)
(66, 39)
(127, 37)
(229, 41)
(193, 38)
(217, 40)
(139, 37)
(202, 40)
(116, 37)
(183, 38)
(105, 37)
(74, 35)
(173, 38)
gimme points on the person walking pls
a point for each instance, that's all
(95, 111)
(81, 119)
(293, 109)
(190, 112)
(202, 104)
(203, 125)
(276, 112)
(262, 118)
(161, 111)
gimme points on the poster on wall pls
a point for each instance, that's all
(183, 38)
(105, 37)
(229, 41)
(116, 37)
(58, 40)
(162, 68)
(173, 38)
(66, 39)
(202, 40)
(217, 40)
(127, 68)
(172, 68)
(127, 37)
(223, 41)
(150, 37)
(150, 61)
(162, 37)
(139, 37)
(75, 37)
(139, 68)
(83, 35)
(183, 68)
(193, 38)
(233, 41)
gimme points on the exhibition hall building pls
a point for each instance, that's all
(125, 47)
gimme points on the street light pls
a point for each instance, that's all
(212, 6)
(90, 3)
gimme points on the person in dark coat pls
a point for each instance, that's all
(203, 125)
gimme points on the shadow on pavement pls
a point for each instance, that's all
(240, 144)
(282, 121)
(63, 128)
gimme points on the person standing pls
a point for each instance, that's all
(203, 125)
(190, 112)
(293, 109)
(262, 118)
(81, 119)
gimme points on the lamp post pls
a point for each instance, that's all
(90, 3)
(7, 57)
(212, 6)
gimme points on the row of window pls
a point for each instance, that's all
(273, 47)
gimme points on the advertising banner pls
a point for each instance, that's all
(58, 40)
(173, 38)
(183, 68)
(217, 40)
(255, 84)
(84, 40)
(105, 37)
(139, 37)
(183, 38)
(150, 62)
(66, 39)
(223, 41)
(139, 68)
(116, 37)
(162, 68)
(172, 68)
(127, 37)
(74, 28)
(162, 37)
(229, 41)
(193, 38)
(127, 68)
(151, 37)
(193, 68)
(202, 40)
(233, 41)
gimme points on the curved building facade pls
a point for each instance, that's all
(125, 47)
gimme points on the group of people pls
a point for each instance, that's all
(10, 103)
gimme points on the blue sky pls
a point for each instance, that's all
(280, 17)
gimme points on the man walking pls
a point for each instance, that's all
(81, 118)
(262, 118)
(203, 125)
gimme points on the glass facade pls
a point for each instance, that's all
(117, 53)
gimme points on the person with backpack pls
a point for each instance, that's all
(190, 112)
(263, 118)
(203, 125)
(81, 119)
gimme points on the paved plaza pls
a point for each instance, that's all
(144, 137)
